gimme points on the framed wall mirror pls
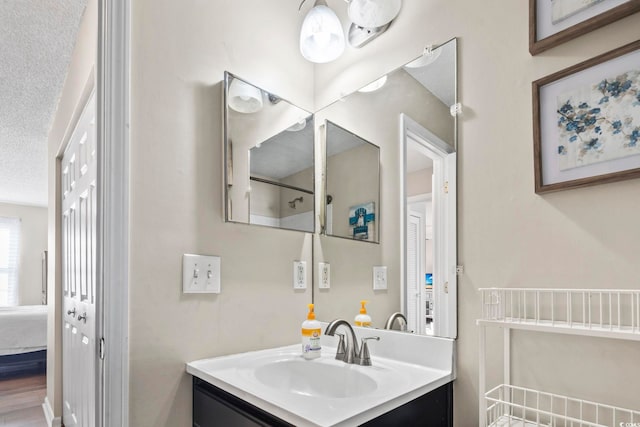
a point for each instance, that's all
(409, 113)
(269, 159)
(352, 185)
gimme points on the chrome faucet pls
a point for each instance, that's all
(350, 354)
(395, 316)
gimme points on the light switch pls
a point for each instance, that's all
(379, 278)
(299, 275)
(324, 275)
(200, 274)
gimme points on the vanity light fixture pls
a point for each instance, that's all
(373, 13)
(370, 18)
(321, 35)
(244, 98)
(373, 86)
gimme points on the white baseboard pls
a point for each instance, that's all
(48, 414)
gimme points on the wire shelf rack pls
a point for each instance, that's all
(611, 313)
(509, 405)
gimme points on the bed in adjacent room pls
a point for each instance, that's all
(23, 340)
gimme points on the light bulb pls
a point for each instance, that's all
(243, 97)
(321, 35)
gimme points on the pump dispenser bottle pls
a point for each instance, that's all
(311, 330)
(363, 319)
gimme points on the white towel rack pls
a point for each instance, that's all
(610, 313)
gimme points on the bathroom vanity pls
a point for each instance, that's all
(409, 383)
(213, 406)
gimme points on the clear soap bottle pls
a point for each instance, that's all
(311, 330)
(363, 319)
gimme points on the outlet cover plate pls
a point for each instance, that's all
(200, 274)
(324, 275)
(299, 275)
(379, 278)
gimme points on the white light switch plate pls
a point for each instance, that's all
(379, 278)
(299, 275)
(200, 274)
(324, 275)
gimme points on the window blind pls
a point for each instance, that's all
(9, 260)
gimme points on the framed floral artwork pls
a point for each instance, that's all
(586, 122)
(553, 22)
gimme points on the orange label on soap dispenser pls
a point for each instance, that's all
(311, 332)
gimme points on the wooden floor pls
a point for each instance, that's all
(21, 402)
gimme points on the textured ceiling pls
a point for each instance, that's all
(36, 41)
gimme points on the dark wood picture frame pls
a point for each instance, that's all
(542, 187)
(537, 46)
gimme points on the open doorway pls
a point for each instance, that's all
(429, 232)
(38, 38)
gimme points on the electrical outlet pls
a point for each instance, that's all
(200, 274)
(379, 278)
(324, 275)
(299, 275)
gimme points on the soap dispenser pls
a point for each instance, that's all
(363, 319)
(311, 330)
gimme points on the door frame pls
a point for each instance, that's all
(113, 75)
(444, 221)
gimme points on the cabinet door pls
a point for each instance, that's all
(208, 411)
(213, 407)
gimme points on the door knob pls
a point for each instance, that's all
(83, 317)
(72, 312)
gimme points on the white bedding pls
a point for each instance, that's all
(23, 329)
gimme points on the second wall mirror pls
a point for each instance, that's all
(269, 159)
(352, 188)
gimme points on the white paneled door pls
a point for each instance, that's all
(79, 343)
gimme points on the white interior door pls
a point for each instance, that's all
(415, 274)
(79, 344)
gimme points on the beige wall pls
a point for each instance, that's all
(77, 87)
(33, 240)
(419, 182)
(508, 235)
(179, 53)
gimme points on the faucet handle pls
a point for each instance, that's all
(341, 352)
(364, 358)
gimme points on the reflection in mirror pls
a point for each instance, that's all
(269, 165)
(423, 90)
(352, 185)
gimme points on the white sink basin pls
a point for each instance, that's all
(319, 378)
(323, 391)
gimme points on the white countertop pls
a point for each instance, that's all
(407, 367)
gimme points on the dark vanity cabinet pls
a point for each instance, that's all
(213, 407)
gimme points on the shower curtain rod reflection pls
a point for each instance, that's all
(279, 184)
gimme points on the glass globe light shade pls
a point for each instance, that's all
(321, 36)
(373, 86)
(244, 98)
(373, 13)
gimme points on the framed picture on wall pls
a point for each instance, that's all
(586, 122)
(553, 22)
